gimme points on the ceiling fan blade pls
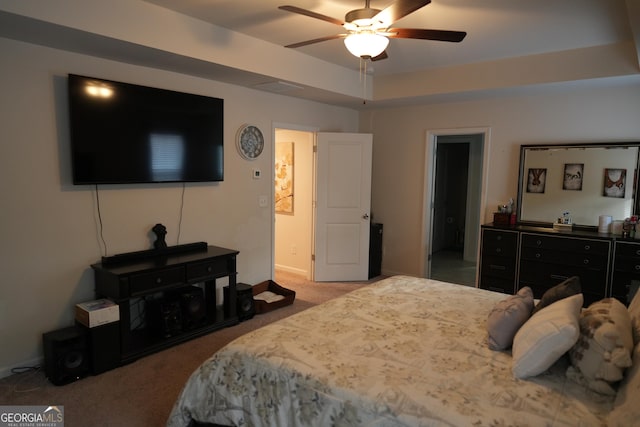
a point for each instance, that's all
(382, 56)
(311, 14)
(318, 40)
(417, 33)
(398, 10)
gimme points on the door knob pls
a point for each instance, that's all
(365, 216)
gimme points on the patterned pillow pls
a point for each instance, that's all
(626, 410)
(604, 348)
(546, 336)
(634, 312)
(507, 316)
(569, 287)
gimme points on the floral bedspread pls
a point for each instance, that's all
(404, 351)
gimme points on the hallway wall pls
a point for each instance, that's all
(293, 232)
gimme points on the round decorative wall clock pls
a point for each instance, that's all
(250, 142)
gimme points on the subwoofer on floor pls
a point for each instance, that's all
(66, 357)
(194, 309)
(103, 343)
(165, 316)
(245, 306)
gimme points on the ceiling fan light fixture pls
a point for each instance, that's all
(366, 44)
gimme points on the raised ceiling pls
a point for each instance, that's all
(496, 29)
(511, 45)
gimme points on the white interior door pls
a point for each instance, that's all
(343, 203)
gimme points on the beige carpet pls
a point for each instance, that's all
(143, 392)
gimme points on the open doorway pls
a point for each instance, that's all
(323, 231)
(293, 225)
(456, 169)
(449, 212)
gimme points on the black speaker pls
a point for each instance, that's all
(165, 316)
(65, 355)
(245, 306)
(103, 346)
(193, 306)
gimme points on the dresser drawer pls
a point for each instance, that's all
(497, 284)
(548, 275)
(148, 282)
(627, 258)
(577, 259)
(585, 246)
(627, 265)
(499, 243)
(628, 249)
(495, 266)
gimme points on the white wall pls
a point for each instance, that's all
(577, 115)
(48, 227)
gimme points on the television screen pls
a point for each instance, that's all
(123, 133)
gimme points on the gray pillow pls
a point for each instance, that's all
(507, 316)
(562, 290)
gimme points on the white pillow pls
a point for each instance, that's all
(546, 336)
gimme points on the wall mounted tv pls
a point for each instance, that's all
(124, 134)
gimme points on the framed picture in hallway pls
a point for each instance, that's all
(284, 177)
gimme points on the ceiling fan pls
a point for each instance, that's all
(369, 29)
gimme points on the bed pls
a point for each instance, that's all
(403, 351)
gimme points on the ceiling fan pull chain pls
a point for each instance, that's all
(363, 79)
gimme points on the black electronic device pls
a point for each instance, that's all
(123, 133)
(165, 316)
(245, 305)
(192, 305)
(65, 355)
(375, 250)
(103, 346)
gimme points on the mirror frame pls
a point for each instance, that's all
(632, 178)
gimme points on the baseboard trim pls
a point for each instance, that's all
(33, 363)
(293, 270)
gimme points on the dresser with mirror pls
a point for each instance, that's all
(578, 181)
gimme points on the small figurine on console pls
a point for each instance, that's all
(160, 231)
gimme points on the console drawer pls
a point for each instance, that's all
(148, 282)
(207, 269)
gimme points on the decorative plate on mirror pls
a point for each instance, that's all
(250, 142)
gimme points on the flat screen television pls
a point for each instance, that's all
(124, 134)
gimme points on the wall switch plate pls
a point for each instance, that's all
(257, 174)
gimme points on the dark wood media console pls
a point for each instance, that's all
(167, 296)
